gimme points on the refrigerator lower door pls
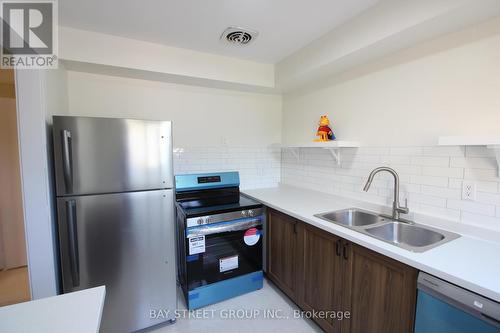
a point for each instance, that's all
(124, 241)
(105, 155)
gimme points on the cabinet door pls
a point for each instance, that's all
(320, 277)
(379, 292)
(282, 251)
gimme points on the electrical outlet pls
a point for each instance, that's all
(468, 190)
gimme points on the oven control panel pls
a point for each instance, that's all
(224, 217)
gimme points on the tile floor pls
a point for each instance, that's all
(258, 306)
(14, 286)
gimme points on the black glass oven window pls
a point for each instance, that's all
(204, 269)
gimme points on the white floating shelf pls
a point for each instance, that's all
(469, 141)
(491, 142)
(325, 144)
(332, 146)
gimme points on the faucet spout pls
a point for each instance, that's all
(369, 181)
(397, 209)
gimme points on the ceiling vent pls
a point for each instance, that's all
(238, 36)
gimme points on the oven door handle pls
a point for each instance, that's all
(223, 227)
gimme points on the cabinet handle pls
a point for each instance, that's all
(338, 247)
(345, 251)
(295, 228)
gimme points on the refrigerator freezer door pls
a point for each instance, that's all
(105, 155)
(124, 241)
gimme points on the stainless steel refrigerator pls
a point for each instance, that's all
(115, 208)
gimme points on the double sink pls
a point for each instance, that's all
(407, 235)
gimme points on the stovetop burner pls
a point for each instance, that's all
(243, 204)
(211, 193)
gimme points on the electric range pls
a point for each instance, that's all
(219, 236)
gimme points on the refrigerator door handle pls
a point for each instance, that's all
(73, 242)
(67, 165)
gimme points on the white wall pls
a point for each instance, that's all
(214, 129)
(201, 116)
(452, 92)
(397, 109)
(40, 93)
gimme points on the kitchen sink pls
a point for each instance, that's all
(351, 217)
(408, 235)
(401, 233)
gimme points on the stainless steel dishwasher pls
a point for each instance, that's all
(445, 308)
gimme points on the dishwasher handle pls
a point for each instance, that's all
(477, 305)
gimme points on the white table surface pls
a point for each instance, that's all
(77, 312)
(470, 262)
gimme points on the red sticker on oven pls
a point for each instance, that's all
(251, 236)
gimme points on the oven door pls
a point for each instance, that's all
(223, 250)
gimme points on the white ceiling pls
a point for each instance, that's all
(284, 26)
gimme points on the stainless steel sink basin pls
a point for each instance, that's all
(352, 217)
(408, 235)
(401, 233)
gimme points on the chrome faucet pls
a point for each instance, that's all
(396, 208)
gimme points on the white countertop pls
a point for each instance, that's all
(77, 312)
(470, 262)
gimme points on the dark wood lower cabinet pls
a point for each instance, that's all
(320, 275)
(282, 256)
(380, 292)
(322, 272)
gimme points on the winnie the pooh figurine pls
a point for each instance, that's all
(324, 132)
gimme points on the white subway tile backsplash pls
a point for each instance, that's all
(488, 198)
(395, 159)
(479, 151)
(481, 221)
(483, 186)
(446, 213)
(426, 200)
(472, 207)
(444, 151)
(482, 174)
(474, 162)
(445, 172)
(258, 166)
(407, 151)
(377, 151)
(361, 158)
(370, 196)
(431, 161)
(406, 169)
(442, 192)
(431, 178)
(410, 188)
(455, 183)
